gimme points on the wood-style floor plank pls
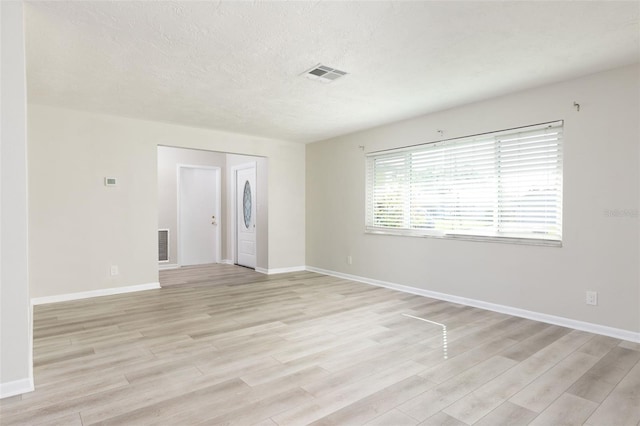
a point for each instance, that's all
(220, 344)
(488, 397)
(393, 417)
(598, 382)
(566, 410)
(622, 406)
(549, 386)
(507, 414)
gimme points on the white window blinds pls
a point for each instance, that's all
(505, 184)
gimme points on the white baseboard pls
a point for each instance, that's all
(16, 387)
(287, 270)
(93, 293)
(227, 261)
(281, 270)
(31, 341)
(164, 266)
(617, 333)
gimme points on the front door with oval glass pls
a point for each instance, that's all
(246, 216)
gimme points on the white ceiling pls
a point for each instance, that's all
(236, 66)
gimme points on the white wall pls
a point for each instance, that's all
(79, 227)
(15, 326)
(601, 172)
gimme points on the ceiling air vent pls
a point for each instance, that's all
(324, 73)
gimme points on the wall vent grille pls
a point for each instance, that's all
(163, 245)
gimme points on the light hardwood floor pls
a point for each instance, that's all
(226, 345)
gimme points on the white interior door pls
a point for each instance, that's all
(246, 216)
(198, 211)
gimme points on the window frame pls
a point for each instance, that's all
(461, 234)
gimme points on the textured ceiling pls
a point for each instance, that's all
(236, 66)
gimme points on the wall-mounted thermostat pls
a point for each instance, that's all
(110, 181)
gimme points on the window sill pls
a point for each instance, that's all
(462, 237)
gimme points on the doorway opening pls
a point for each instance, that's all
(203, 217)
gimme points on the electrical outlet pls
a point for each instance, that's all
(114, 270)
(592, 298)
(349, 260)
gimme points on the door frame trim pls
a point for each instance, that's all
(218, 185)
(233, 193)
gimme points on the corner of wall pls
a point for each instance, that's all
(16, 374)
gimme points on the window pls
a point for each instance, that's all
(505, 186)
